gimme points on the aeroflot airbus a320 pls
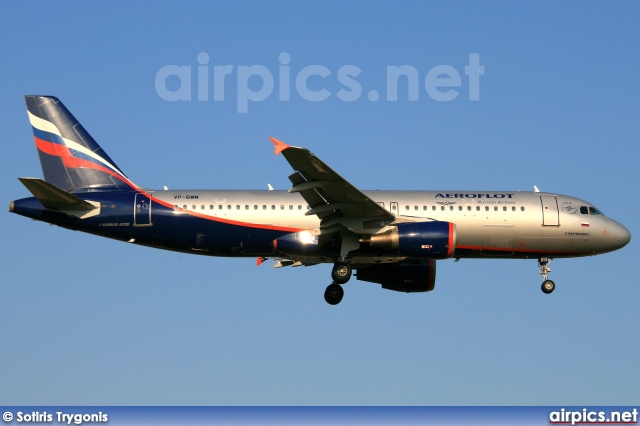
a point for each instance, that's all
(392, 238)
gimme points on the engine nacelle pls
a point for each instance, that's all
(423, 240)
(409, 277)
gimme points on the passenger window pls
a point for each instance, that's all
(246, 207)
(281, 206)
(504, 209)
(211, 207)
(299, 207)
(202, 207)
(460, 208)
(308, 208)
(228, 206)
(513, 208)
(477, 208)
(442, 208)
(264, 207)
(273, 207)
(415, 207)
(495, 209)
(220, 207)
(193, 207)
(175, 207)
(433, 208)
(290, 206)
(406, 207)
(451, 208)
(237, 206)
(486, 208)
(424, 208)
(468, 208)
(522, 208)
(255, 207)
(184, 207)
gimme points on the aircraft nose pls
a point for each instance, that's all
(620, 235)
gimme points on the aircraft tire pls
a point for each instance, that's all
(341, 272)
(548, 286)
(333, 294)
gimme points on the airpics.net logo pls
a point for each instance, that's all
(312, 83)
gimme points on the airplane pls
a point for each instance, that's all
(391, 238)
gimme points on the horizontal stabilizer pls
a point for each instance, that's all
(52, 197)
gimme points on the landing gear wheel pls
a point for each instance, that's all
(548, 286)
(341, 272)
(333, 294)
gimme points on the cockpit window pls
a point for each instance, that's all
(584, 210)
(593, 210)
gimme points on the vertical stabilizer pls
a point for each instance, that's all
(71, 159)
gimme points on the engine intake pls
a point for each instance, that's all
(424, 240)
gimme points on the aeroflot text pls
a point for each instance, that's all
(474, 195)
(255, 83)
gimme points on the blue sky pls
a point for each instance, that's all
(87, 320)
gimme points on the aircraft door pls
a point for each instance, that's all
(142, 211)
(393, 206)
(550, 213)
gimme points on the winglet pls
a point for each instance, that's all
(279, 146)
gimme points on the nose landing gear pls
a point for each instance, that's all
(547, 286)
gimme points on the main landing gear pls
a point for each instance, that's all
(547, 286)
(340, 274)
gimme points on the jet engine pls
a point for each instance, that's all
(423, 240)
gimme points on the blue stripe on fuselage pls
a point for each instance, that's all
(174, 230)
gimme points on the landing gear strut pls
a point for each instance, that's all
(340, 273)
(547, 286)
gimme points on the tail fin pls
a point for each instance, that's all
(70, 158)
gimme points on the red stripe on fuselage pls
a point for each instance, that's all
(522, 250)
(227, 221)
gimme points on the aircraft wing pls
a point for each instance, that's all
(335, 201)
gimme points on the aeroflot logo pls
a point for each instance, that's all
(475, 195)
(313, 83)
